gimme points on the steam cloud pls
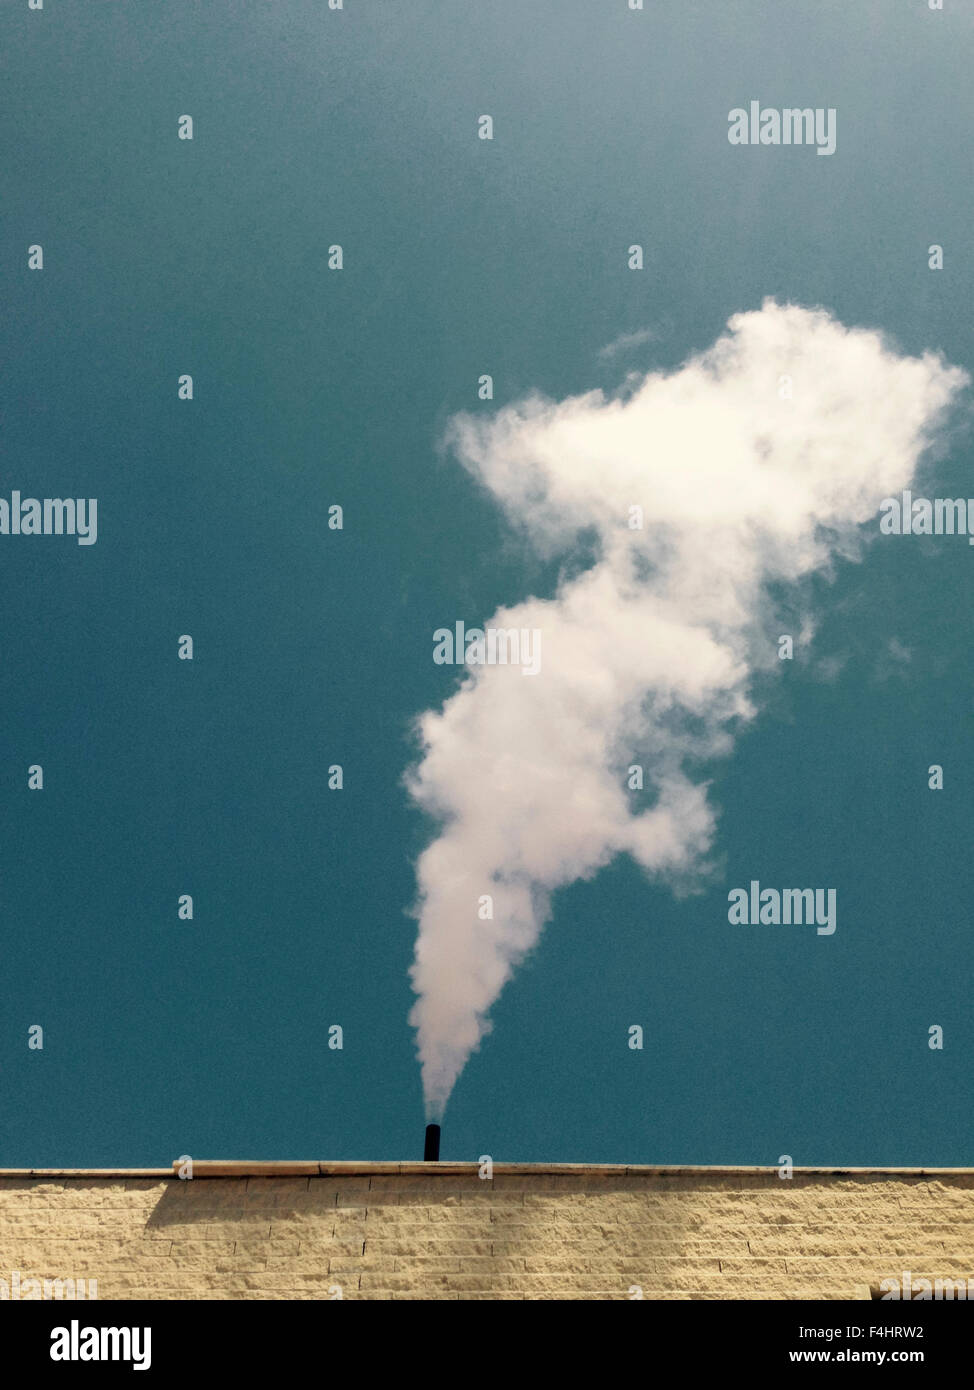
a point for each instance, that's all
(648, 654)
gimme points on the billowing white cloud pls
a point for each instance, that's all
(647, 656)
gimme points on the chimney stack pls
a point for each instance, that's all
(431, 1153)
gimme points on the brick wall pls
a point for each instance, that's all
(396, 1231)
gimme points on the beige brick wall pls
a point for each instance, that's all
(592, 1233)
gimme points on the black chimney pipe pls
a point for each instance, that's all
(431, 1153)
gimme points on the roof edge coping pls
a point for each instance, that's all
(276, 1168)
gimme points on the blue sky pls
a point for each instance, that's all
(314, 647)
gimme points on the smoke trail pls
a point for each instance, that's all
(753, 463)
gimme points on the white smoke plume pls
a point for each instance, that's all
(647, 656)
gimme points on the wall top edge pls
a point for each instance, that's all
(275, 1168)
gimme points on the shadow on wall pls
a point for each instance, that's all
(455, 1237)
